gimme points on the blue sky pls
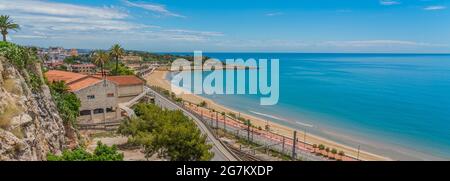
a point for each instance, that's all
(235, 25)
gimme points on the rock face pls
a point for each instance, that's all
(30, 126)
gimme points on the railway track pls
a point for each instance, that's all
(242, 155)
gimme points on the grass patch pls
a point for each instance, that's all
(11, 87)
(6, 116)
(18, 132)
(104, 134)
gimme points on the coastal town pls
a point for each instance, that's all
(314, 90)
(123, 97)
(107, 100)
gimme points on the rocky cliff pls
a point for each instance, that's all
(30, 126)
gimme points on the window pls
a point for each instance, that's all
(98, 111)
(91, 97)
(85, 112)
(110, 109)
(110, 94)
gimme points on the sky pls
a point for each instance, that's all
(306, 26)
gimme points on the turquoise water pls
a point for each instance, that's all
(396, 105)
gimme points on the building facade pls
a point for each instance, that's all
(131, 59)
(128, 87)
(99, 96)
(88, 69)
(98, 102)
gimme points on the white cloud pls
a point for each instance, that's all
(205, 33)
(275, 14)
(44, 22)
(30, 36)
(59, 9)
(433, 8)
(378, 43)
(156, 8)
(388, 2)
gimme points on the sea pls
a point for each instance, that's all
(394, 105)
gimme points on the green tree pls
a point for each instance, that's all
(67, 103)
(71, 59)
(117, 51)
(169, 134)
(6, 24)
(59, 87)
(100, 58)
(106, 153)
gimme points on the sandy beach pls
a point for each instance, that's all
(158, 78)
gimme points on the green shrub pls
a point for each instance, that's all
(102, 153)
(23, 59)
(15, 54)
(334, 151)
(321, 147)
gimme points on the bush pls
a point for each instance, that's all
(23, 59)
(334, 151)
(321, 147)
(102, 153)
(15, 54)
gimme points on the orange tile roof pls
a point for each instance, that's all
(67, 77)
(83, 83)
(74, 81)
(125, 80)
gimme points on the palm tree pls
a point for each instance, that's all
(7, 24)
(117, 52)
(100, 58)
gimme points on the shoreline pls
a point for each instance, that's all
(158, 78)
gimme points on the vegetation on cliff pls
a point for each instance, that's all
(24, 59)
(68, 104)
